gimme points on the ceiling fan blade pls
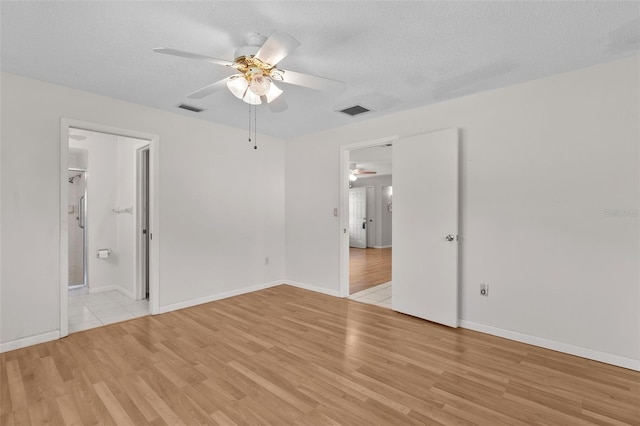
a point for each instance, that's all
(312, 81)
(278, 105)
(277, 47)
(207, 90)
(189, 55)
(360, 171)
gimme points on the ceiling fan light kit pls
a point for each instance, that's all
(256, 66)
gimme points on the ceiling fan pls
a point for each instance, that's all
(355, 171)
(256, 66)
(363, 172)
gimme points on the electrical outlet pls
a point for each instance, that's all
(266, 261)
(484, 290)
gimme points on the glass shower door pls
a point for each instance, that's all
(77, 209)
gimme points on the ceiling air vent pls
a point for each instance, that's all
(354, 110)
(190, 108)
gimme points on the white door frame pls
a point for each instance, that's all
(344, 205)
(154, 217)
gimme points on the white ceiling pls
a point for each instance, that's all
(391, 55)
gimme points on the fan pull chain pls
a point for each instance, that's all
(255, 134)
(255, 127)
(249, 123)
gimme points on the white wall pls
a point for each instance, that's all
(217, 224)
(543, 165)
(382, 226)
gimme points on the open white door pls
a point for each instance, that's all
(425, 226)
(358, 217)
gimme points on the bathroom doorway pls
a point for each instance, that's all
(109, 263)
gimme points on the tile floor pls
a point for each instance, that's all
(379, 295)
(98, 309)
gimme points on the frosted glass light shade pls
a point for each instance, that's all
(260, 84)
(241, 89)
(273, 93)
(238, 86)
(252, 98)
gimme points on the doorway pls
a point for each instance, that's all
(369, 265)
(113, 215)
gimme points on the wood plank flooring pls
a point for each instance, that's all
(368, 268)
(286, 356)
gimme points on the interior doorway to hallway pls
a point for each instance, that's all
(370, 209)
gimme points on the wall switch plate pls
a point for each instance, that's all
(484, 290)
(266, 261)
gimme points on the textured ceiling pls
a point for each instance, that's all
(391, 55)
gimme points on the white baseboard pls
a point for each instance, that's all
(334, 293)
(607, 358)
(29, 341)
(102, 289)
(381, 247)
(244, 290)
(214, 297)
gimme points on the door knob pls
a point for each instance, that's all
(449, 237)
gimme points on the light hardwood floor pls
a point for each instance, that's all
(368, 268)
(286, 356)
